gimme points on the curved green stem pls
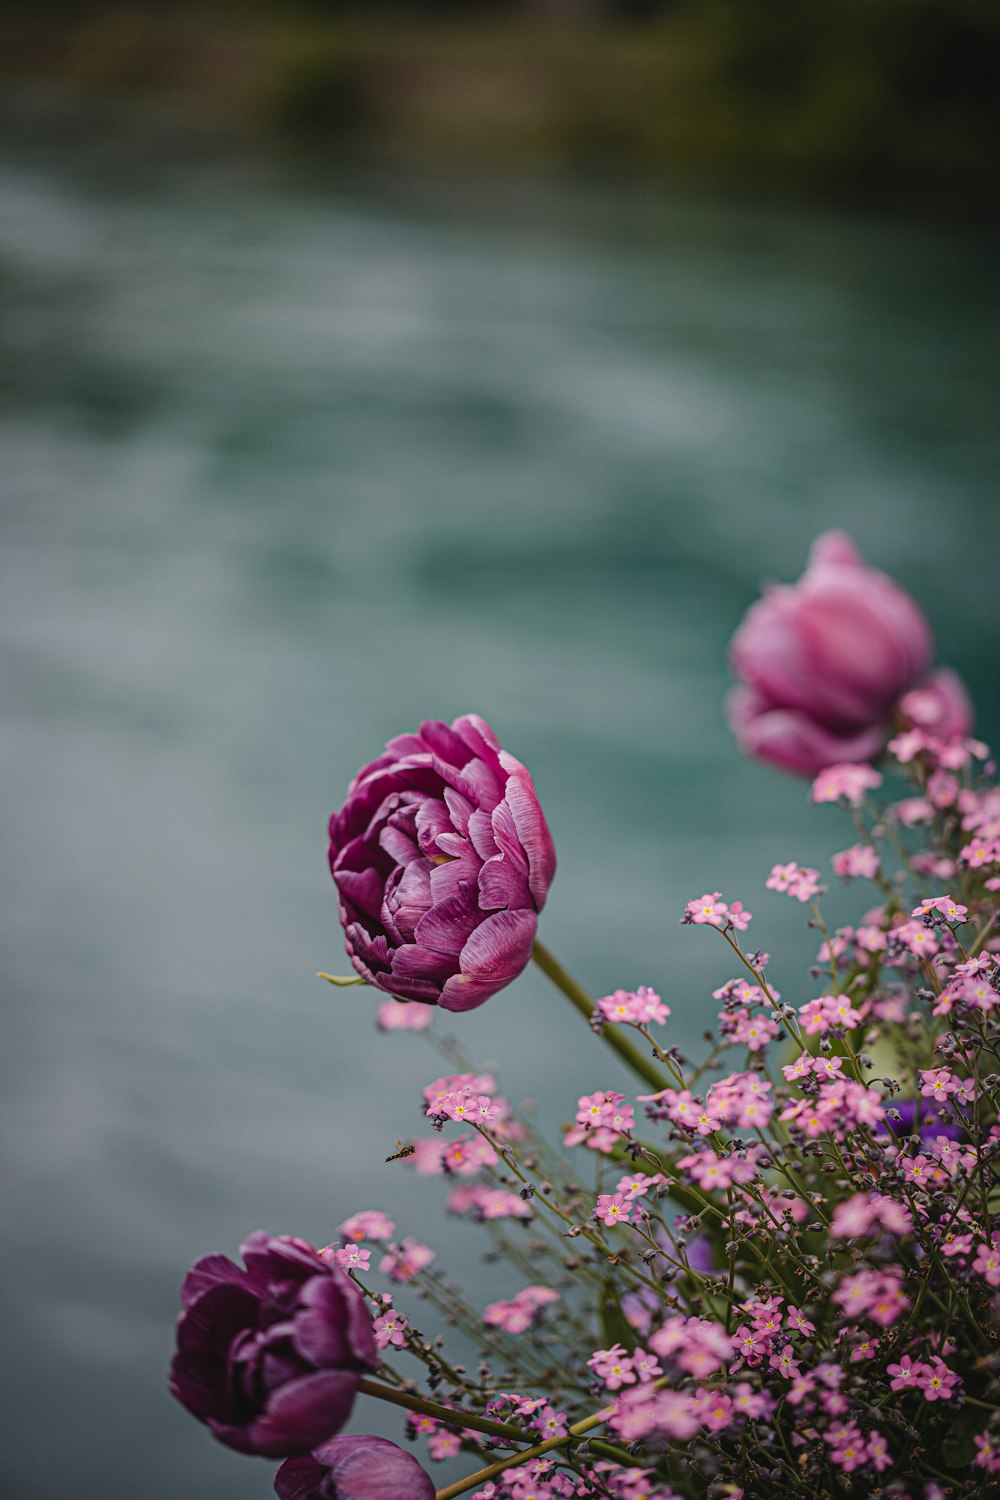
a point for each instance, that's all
(577, 996)
(485, 1475)
(446, 1414)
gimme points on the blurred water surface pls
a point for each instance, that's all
(287, 468)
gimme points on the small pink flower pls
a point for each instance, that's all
(368, 1225)
(352, 1258)
(845, 780)
(513, 1316)
(403, 1015)
(550, 1423)
(634, 1007)
(637, 1184)
(987, 1263)
(911, 811)
(794, 880)
(800, 1322)
(938, 1083)
(785, 1363)
(859, 862)
(915, 1170)
(646, 1366)
(849, 1452)
(980, 852)
(390, 1328)
(739, 916)
(714, 1407)
(456, 1083)
(711, 1171)
(801, 1068)
(613, 1208)
(916, 938)
(403, 1262)
(946, 906)
(707, 909)
(443, 1444)
(987, 1452)
(458, 1106)
(613, 1366)
(878, 1451)
(705, 1123)
(938, 1382)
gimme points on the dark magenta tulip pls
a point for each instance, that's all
(823, 664)
(442, 859)
(355, 1467)
(270, 1357)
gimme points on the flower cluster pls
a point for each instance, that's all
(773, 1275)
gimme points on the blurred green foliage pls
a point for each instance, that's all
(891, 101)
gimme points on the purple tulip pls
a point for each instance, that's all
(358, 1467)
(270, 1358)
(823, 664)
(442, 860)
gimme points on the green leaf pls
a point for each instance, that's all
(615, 1326)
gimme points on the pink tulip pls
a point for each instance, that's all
(823, 665)
(442, 860)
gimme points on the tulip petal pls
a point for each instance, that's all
(836, 548)
(411, 961)
(441, 740)
(433, 819)
(399, 846)
(407, 897)
(300, 1479)
(533, 833)
(487, 780)
(940, 703)
(792, 740)
(478, 735)
(503, 883)
(402, 988)
(211, 1270)
(460, 809)
(299, 1415)
(370, 953)
(316, 1330)
(373, 1468)
(481, 834)
(362, 888)
(274, 1256)
(462, 868)
(494, 955)
(204, 1335)
(447, 927)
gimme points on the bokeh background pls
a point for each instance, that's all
(364, 364)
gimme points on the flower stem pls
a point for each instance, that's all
(485, 1475)
(630, 1054)
(445, 1414)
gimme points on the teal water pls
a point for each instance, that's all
(289, 466)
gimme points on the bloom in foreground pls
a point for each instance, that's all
(442, 860)
(355, 1467)
(270, 1357)
(823, 663)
